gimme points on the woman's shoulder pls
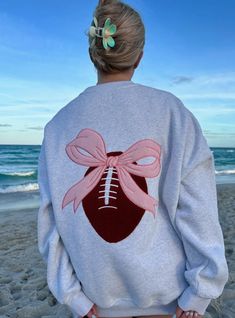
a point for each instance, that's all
(170, 100)
(59, 118)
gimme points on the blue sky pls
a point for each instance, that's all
(44, 61)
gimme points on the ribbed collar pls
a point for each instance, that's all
(111, 84)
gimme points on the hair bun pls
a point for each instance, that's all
(129, 40)
(105, 2)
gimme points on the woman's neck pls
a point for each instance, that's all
(123, 76)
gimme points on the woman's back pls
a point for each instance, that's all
(129, 225)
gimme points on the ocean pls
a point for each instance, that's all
(18, 174)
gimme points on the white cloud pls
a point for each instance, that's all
(201, 95)
(219, 78)
(217, 86)
(211, 110)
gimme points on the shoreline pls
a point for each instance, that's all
(29, 200)
(23, 288)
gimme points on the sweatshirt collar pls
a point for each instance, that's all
(111, 84)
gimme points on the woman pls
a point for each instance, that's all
(120, 237)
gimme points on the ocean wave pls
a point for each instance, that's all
(19, 173)
(20, 188)
(222, 172)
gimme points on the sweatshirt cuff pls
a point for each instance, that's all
(79, 303)
(188, 300)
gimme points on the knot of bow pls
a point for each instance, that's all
(92, 142)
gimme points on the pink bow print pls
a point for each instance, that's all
(92, 142)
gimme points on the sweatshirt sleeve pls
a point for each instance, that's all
(61, 278)
(198, 224)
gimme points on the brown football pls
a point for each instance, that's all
(110, 212)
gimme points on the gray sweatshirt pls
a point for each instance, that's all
(128, 216)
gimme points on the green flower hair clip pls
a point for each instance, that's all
(106, 33)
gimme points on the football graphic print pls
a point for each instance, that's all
(113, 192)
(109, 210)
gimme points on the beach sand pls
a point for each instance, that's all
(23, 287)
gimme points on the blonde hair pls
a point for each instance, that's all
(129, 37)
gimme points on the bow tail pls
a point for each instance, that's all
(135, 193)
(80, 189)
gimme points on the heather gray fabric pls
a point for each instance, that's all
(177, 257)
